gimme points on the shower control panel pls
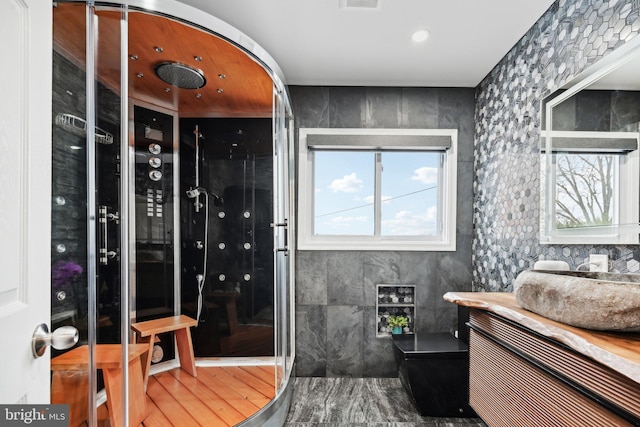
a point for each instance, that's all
(154, 202)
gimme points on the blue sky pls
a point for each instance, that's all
(344, 189)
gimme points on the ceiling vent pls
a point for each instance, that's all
(359, 4)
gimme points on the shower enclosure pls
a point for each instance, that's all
(171, 188)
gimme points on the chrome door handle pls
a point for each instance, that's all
(61, 339)
(105, 217)
(284, 224)
(104, 248)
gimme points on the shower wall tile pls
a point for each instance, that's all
(427, 288)
(454, 270)
(415, 267)
(566, 40)
(383, 364)
(425, 320)
(311, 340)
(345, 341)
(311, 283)
(464, 215)
(344, 282)
(344, 279)
(456, 111)
(380, 267)
(383, 109)
(347, 107)
(312, 106)
(445, 318)
(419, 108)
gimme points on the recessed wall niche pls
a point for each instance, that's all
(395, 300)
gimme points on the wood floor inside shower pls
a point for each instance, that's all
(218, 396)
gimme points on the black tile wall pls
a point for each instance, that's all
(568, 38)
(336, 290)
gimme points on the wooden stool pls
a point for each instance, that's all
(70, 382)
(180, 325)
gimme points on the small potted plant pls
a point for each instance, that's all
(396, 323)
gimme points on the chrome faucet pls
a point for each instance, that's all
(585, 264)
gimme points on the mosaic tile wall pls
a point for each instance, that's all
(569, 37)
(336, 320)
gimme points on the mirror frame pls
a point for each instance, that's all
(606, 65)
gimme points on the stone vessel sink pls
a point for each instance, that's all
(591, 300)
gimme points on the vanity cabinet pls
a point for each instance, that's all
(527, 370)
(395, 300)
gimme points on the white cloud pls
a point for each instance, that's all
(347, 219)
(425, 175)
(408, 223)
(366, 199)
(348, 184)
(369, 199)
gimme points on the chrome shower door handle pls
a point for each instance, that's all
(285, 226)
(104, 217)
(61, 339)
(102, 220)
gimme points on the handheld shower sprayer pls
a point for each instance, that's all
(200, 282)
(194, 193)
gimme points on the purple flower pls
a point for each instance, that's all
(63, 272)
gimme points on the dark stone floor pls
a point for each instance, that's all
(360, 402)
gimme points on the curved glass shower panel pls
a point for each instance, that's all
(284, 244)
(69, 224)
(69, 258)
(174, 207)
(87, 284)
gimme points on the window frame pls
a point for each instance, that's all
(445, 241)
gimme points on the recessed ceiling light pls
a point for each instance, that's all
(420, 36)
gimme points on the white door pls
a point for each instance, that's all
(25, 196)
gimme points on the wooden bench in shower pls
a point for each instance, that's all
(148, 330)
(70, 382)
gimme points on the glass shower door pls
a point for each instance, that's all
(87, 228)
(70, 258)
(284, 251)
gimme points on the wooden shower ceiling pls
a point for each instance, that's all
(246, 89)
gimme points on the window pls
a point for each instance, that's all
(377, 189)
(593, 183)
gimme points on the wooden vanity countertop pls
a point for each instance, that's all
(619, 351)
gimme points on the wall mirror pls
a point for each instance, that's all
(589, 181)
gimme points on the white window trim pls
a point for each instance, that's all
(308, 241)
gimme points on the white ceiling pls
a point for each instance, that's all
(315, 42)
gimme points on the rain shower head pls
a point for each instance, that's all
(180, 75)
